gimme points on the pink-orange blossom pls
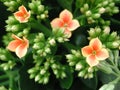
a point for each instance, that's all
(66, 22)
(94, 52)
(22, 15)
(19, 46)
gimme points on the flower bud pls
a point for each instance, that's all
(42, 71)
(40, 8)
(101, 10)
(37, 77)
(107, 30)
(96, 16)
(78, 66)
(47, 50)
(81, 73)
(88, 13)
(86, 6)
(45, 81)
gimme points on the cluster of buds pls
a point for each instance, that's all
(7, 59)
(58, 69)
(15, 27)
(41, 46)
(78, 62)
(110, 39)
(12, 4)
(93, 14)
(40, 74)
(38, 9)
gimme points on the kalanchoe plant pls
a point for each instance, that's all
(60, 45)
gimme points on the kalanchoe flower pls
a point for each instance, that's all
(94, 52)
(22, 15)
(19, 46)
(66, 22)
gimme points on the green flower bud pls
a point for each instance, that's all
(105, 3)
(81, 73)
(45, 81)
(42, 71)
(90, 20)
(115, 10)
(96, 16)
(112, 4)
(90, 75)
(37, 78)
(78, 66)
(42, 16)
(3, 57)
(107, 30)
(101, 10)
(88, 13)
(90, 69)
(86, 6)
(41, 8)
(47, 50)
(52, 42)
(70, 57)
(112, 36)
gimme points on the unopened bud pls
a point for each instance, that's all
(42, 72)
(78, 66)
(101, 10)
(88, 13)
(96, 16)
(107, 30)
(52, 42)
(37, 77)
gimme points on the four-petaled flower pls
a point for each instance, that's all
(19, 46)
(94, 52)
(66, 22)
(22, 15)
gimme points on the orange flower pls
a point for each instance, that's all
(66, 22)
(94, 52)
(19, 46)
(22, 15)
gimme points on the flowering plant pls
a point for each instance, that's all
(60, 45)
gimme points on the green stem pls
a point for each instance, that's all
(12, 79)
(39, 27)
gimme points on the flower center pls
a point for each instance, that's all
(65, 25)
(94, 52)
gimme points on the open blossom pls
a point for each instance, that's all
(66, 22)
(94, 52)
(22, 15)
(19, 46)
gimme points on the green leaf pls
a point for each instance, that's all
(67, 4)
(109, 86)
(67, 82)
(106, 78)
(90, 82)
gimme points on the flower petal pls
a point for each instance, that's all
(86, 51)
(92, 60)
(66, 16)
(67, 33)
(23, 9)
(96, 44)
(21, 50)
(102, 54)
(16, 37)
(13, 45)
(26, 42)
(74, 24)
(57, 23)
